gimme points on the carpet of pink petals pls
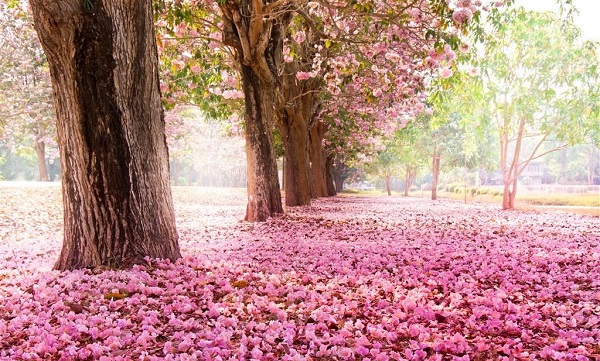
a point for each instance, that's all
(349, 278)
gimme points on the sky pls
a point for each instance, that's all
(587, 19)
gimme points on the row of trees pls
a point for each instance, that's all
(330, 77)
(531, 88)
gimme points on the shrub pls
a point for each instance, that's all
(494, 192)
(451, 187)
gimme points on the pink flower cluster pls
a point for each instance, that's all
(346, 279)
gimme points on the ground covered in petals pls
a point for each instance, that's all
(346, 279)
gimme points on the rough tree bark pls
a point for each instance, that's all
(255, 30)
(294, 133)
(264, 197)
(115, 176)
(295, 108)
(317, 161)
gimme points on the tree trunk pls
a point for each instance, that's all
(410, 178)
(294, 110)
(508, 197)
(591, 164)
(436, 174)
(257, 42)
(510, 173)
(264, 196)
(388, 187)
(40, 152)
(406, 185)
(334, 184)
(318, 159)
(110, 122)
(294, 133)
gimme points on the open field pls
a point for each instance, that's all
(587, 203)
(574, 203)
(350, 278)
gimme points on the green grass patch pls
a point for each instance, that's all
(568, 200)
(573, 200)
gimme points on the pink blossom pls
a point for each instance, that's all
(445, 72)
(302, 75)
(233, 94)
(474, 72)
(299, 37)
(178, 64)
(329, 284)
(196, 69)
(462, 15)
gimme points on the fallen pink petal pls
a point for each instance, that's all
(349, 278)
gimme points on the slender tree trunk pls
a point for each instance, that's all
(40, 153)
(388, 187)
(335, 184)
(436, 173)
(590, 164)
(115, 175)
(318, 159)
(510, 173)
(410, 178)
(406, 185)
(264, 195)
(508, 197)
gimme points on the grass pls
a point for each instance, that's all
(574, 200)
(588, 203)
(569, 200)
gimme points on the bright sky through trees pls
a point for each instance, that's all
(587, 18)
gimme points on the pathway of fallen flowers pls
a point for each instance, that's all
(346, 279)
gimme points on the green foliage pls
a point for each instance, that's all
(19, 165)
(190, 68)
(450, 187)
(538, 91)
(407, 148)
(539, 70)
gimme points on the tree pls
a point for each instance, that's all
(541, 87)
(459, 132)
(387, 37)
(110, 122)
(26, 114)
(296, 108)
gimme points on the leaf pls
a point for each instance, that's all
(115, 296)
(240, 284)
(75, 307)
(440, 318)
